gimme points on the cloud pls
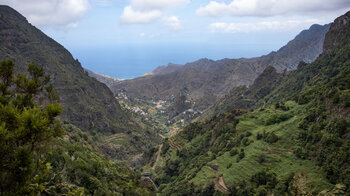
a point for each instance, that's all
(173, 22)
(260, 26)
(270, 7)
(131, 16)
(147, 11)
(59, 13)
(142, 34)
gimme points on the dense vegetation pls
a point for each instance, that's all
(295, 139)
(86, 103)
(35, 158)
(25, 126)
(286, 134)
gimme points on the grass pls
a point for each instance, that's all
(278, 156)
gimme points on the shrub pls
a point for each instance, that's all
(241, 155)
(233, 152)
(261, 158)
(277, 118)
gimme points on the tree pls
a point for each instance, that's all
(28, 110)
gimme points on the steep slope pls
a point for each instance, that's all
(76, 165)
(87, 103)
(40, 155)
(218, 77)
(170, 67)
(246, 97)
(296, 142)
(107, 80)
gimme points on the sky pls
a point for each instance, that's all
(127, 38)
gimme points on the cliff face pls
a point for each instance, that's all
(23, 43)
(219, 77)
(337, 35)
(87, 103)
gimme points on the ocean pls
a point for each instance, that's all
(130, 61)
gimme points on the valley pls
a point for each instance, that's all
(255, 131)
(189, 90)
(278, 124)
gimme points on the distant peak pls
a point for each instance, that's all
(315, 28)
(205, 60)
(171, 65)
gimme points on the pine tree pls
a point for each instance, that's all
(28, 110)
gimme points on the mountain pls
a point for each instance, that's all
(107, 80)
(218, 77)
(164, 69)
(87, 103)
(247, 97)
(290, 138)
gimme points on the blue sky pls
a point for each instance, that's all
(127, 38)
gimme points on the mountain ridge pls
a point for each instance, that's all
(87, 103)
(218, 77)
(289, 138)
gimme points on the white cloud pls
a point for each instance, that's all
(173, 22)
(131, 16)
(270, 7)
(142, 34)
(61, 13)
(260, 26)
(147, 11)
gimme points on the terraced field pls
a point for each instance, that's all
(278, 156)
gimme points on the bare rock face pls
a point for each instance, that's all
(23, 43)
(206, 76)
(335, 36)
(87, 103)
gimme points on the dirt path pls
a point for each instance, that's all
(158, 156)
(219, 184)
(222, 183)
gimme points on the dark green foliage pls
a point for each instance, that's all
(26, 126)
(34, 160)
(233, 152)
(270, 137)
(165, 147)
(277, 118)
(217, 135)
(321, 143)
(263, 183)
(261, 158)
(259, 136)
(281, 106)
(300, 153)
(241, 155)
(86, 102)
(283, 184)
(267, 178)
(329, 146)
(76, 160)
(325, 88)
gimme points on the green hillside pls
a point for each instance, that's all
(65, 133)
(87, 103)
(40, 155)
(295, 142)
